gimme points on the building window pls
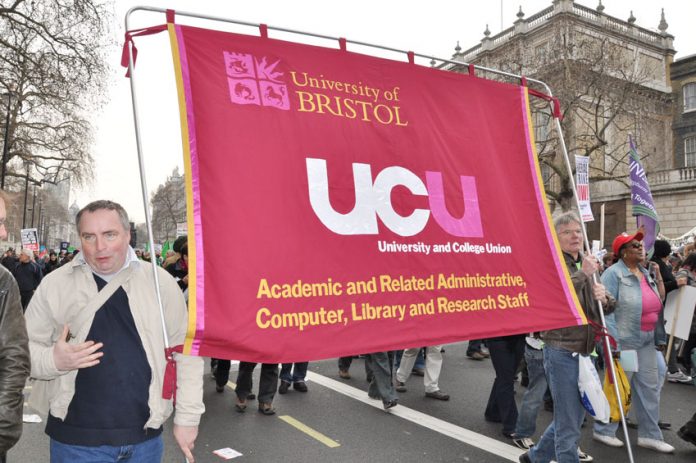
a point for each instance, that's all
(540, 119)
(690, 97)
(690, 151)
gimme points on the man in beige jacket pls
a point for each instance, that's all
(98, 351)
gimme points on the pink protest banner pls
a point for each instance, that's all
(341, 203)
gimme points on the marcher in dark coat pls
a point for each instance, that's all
(28, 276)
(14, 355)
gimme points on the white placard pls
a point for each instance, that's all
(582, 186)
(686, 296)
(227, 453)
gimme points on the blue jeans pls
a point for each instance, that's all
(298, 373)
(560, 440)
(645, 392)
(145, 452)
(534, 396)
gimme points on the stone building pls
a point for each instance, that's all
(613, 78)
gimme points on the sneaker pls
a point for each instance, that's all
(524, 458)
(343, 374)
(611, 441)
(400, 386)
(284, 386)
(582, 456)
(686, 435)
(476, 356)
(418, 372)
(219, 389)
(439, 395)
(654, 444)
(485, 352)
(390, 404)
(524, 443)
(300, 386)
(679, 377)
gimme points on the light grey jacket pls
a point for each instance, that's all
(67, 290)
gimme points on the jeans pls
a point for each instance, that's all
(560, 440)
(145, 452)
(645, 392)
(433, 366)
(506, 354)
(381, 384)
(534, 396)
(268, 382)
(298, 373)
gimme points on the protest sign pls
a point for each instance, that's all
(30, 238)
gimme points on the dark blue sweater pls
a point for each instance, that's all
(110, 402)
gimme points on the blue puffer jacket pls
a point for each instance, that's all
(624, 323)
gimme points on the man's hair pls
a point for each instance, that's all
(566, 218)
(109, 206)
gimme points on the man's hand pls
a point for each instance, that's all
(186, 436)
(590, 265)
(73, 356)
(600, 293)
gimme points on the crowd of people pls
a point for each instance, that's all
(105, 376)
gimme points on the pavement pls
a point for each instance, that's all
(335, 421)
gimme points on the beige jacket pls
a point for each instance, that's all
(57, 301)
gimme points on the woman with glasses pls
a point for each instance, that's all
(633, 324)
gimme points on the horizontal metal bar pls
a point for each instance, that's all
(327, 37)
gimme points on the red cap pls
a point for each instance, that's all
(624, 238)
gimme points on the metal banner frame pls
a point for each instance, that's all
(342, 42)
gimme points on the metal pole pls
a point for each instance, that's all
(26, 190)
(33, 207)
(5, 145)
(143, 185)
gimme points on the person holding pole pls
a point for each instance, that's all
(633, 323)
(563, 346)
(97, 344)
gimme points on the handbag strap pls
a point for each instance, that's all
(102, 296)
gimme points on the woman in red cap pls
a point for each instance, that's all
(633, 324)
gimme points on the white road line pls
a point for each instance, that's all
(464, 435)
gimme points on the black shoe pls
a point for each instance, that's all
(300, 386)
(251, 397)
(664, 425)
(391, 404)
(219, 388)
(524, 458)
(284, 386)
(418, 372)
(400, 387)
(439, 395)
(686, 435)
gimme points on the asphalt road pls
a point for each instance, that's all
(336, 422)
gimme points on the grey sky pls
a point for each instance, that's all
(429, 27)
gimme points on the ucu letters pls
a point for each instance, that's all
(373, 199)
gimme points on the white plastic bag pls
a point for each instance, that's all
(591, 393)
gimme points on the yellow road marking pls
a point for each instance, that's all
(310, 432)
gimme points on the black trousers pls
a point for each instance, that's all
(506, 354)
(268, 383)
